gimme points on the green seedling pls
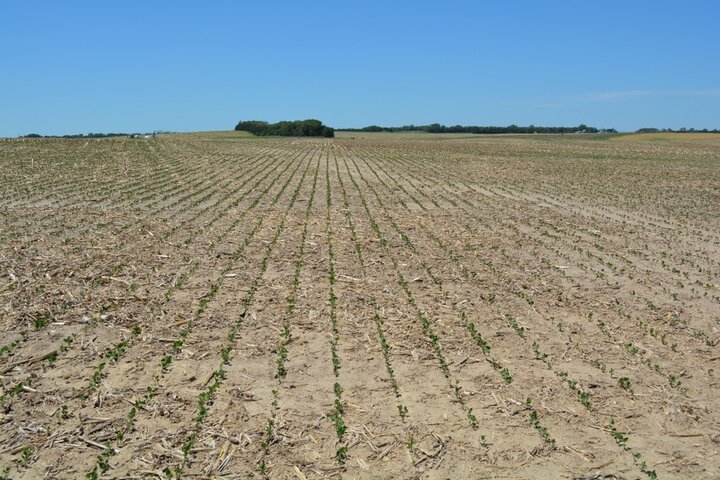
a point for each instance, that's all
(403, 410)
(165, 363)
(624, 383)
(620, 438)
(515, 325)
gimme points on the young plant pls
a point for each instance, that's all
(624, 383)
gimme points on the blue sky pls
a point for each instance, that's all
(79, 67)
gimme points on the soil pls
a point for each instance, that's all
(369, 306)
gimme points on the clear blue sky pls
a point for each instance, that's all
(79, 67)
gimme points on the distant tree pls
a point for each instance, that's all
(297, 128)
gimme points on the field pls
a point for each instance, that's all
(369, 306)
(670, 137)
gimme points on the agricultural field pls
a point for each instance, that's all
(388, 306)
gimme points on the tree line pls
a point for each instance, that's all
(297, 128)
(96, 135)
(438, 128)
(78, 135)
(681, 130)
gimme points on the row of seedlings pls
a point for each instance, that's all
(205, 398)
(102, 464)
(582, 396)
(286, 335)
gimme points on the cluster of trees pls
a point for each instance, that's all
(438, 128)
(682, 130)
(297, 128)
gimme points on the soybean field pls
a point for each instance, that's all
(382, 306)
